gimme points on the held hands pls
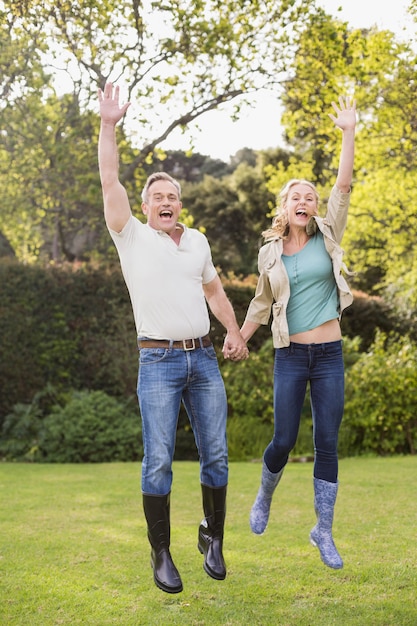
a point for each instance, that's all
(234, 347)
(345, 117)
(110, 110)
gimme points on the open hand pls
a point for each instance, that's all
(345, 117)
(110, 110)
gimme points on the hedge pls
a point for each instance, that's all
(74, 329)
(71, 329)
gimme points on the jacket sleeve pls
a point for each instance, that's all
(259, 310)
(337, 212)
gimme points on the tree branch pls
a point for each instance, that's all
(184, 120)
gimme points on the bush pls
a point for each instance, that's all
(368, 314)
(69, 329)
(76, 427)
(91, 428)
(66, 329)
(381, 399)
(19, 438)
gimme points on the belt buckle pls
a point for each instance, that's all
(186, 348)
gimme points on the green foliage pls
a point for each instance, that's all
(53, 208)
(65, 330)
(19, 439)
(367, 314)
(174, 61)
(71, 329)
(92, 427)
(188, 166)
(249, 386)
(215, 206)
(381, 398)
(332, 60)
(72, 427)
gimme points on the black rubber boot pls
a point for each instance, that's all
(211, 531)
(157, 513)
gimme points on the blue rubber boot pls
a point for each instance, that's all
(321, 536)
(259, 514)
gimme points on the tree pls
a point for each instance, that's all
(234, 211)
(175, 62)
(21, 49)
(52, 205)
(385, 223)
(216, 209)
(191, 167)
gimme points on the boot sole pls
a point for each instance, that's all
(166, 588)
(163, 587)
(315, 544)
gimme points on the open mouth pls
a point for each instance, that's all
(301, 212)
(166, 214)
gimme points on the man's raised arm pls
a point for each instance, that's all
(116, 203)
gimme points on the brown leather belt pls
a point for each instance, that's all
(185, 344)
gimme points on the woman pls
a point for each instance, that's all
(300, 279)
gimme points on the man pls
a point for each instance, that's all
(170, 275)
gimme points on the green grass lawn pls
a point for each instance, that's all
(73, 549)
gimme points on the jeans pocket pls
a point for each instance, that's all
(282, 353)
(147, 356)
(210, 352)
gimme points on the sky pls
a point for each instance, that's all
(259, 127)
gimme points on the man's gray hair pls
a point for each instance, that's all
(153, 178)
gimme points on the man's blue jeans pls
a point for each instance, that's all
(322, 366)
(167, 377)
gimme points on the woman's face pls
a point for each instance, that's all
(300, 205)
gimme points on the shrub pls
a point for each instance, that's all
(368, 314)
(91, 428)
(70, 329)
(381, 399)
(67, 329)
(20, 431)
(72, 427)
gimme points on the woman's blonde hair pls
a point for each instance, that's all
(280, 227)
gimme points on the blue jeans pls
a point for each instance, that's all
(166, 377)
(322, 366)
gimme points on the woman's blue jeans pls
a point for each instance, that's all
(322, 366)
(166, 377)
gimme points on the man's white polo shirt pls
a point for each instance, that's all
(165, 280)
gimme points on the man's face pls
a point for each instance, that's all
(163, 206)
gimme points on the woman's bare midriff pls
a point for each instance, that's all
(329, 331)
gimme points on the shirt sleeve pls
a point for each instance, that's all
(209, 271)
(128, 234)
